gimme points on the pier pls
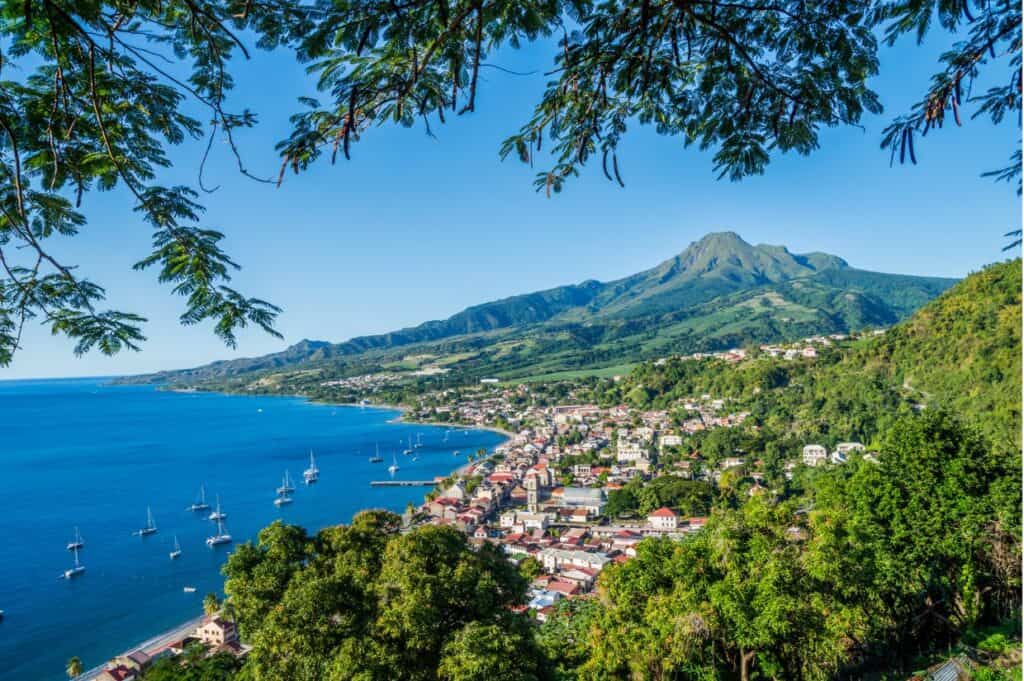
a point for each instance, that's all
(402, 483)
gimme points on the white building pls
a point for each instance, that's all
(814, 455)
(663, 519)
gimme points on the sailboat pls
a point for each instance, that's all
(311, 474)
(77, 570)
(150, 527)
(222, 537)
(283, 492)
(419, 441)
(200, 504)
(393, 468)
(77, 542)
(377, 458)
(177, 548)
(218, 514)
(408, 449)
(287, 487)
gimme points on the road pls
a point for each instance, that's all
(150, 646)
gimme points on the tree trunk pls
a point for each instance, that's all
(745, 658)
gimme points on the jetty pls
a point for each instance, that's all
(403, 483)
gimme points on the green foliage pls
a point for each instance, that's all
(85, 106)
(217, 667)
(363, 601)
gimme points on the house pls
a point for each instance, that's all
(118, 673)
(216, 631)
(731, 462)
(553, 559)
(630, 451)
(663, 519)
(670, 441)
(814, 455)
(589, 498)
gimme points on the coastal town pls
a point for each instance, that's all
(544, 495)
(558, 496)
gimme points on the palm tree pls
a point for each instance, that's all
(74, 667)
(211, 604)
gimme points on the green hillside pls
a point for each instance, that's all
(961, 352)
(719, 292)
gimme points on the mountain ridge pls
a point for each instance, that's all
(720, 266)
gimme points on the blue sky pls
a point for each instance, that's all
(415, 228)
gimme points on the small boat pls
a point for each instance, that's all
(393, 468)
(189, 589)
(150, 527)
(456, 453)
(77, 542)
(75, 571)
(408, 450)
(311, 474)
(287, 487)
(200, 503)
(177, 548)
(415, 458)
(419, 442)
(283, 500)
(377, 458)
(218, 514)
(222, 537)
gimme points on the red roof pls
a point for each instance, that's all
(663, 512)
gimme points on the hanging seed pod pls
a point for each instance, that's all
(910, 146)
(956, 112)
(604, 166)
(615, 167)
(903, 147)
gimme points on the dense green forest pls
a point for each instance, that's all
(867, 569)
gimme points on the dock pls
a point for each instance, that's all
(402, 483)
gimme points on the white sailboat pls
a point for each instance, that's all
(200, 504)
(150, 527)
(218, 514)
(77, 542)
(77, 570)
(311, 474)
(177, 548)
(287, 487)
(419, 441)
(283, 491)
(377, 458)
(408, 449)
(222, 536)
(393, 468)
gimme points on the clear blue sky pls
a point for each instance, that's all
(415, 228)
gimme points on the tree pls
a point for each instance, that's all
(211, 604)
(486, 652)
(74, 667)
(91, 104)
(529, 568)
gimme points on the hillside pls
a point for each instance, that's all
(961, 352)
(719, 291)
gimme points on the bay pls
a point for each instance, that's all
(81, 452)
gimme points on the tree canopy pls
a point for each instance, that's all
(94, 92)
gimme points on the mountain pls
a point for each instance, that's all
(719, 291)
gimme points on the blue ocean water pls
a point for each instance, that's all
(81, 452)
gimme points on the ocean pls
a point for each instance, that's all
(81, 452)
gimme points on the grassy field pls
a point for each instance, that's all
(603, 372)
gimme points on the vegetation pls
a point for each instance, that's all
(89, 103)
(720, 292)
(194, 665)
(364, 601)
(73, 667)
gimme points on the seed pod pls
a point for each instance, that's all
(903, 147)
(956, 112)
(615, 167)
(910, 146)
(604, 166)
